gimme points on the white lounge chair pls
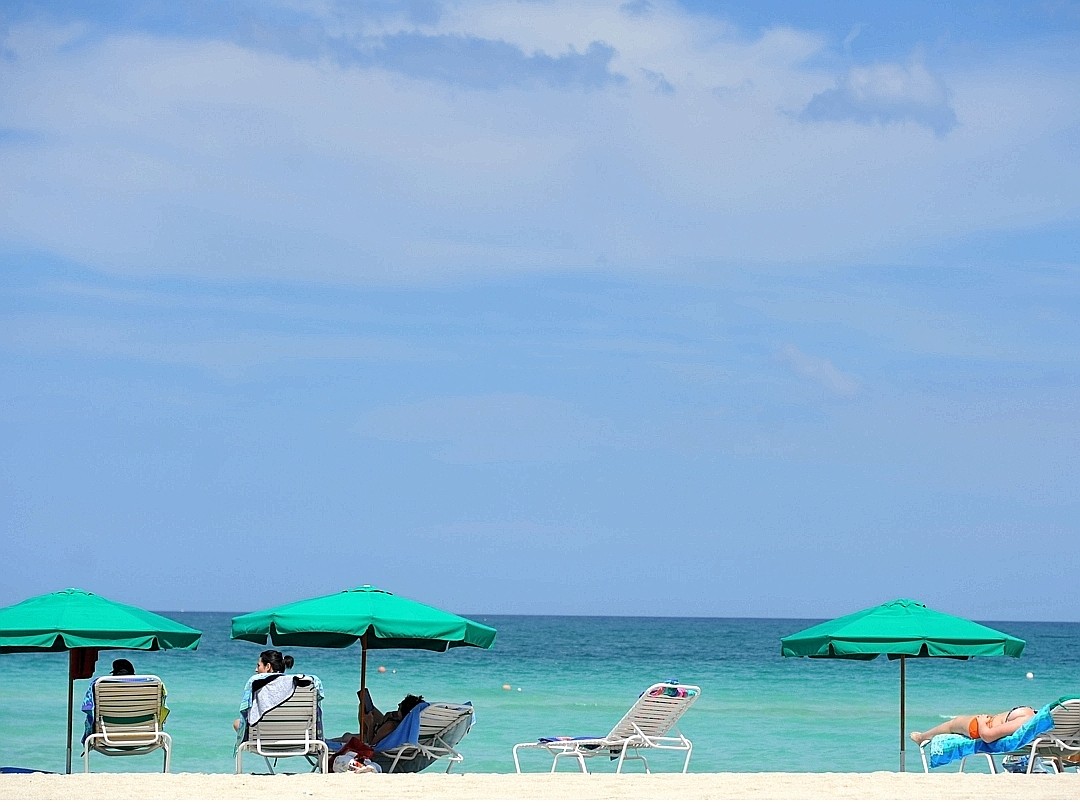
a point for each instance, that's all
(644, 727)
(1059, 743)
(127, 711)
(288, 730)
(442, 725)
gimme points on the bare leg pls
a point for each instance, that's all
(958, 724)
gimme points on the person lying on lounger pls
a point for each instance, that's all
(988, 727)
(377, 724)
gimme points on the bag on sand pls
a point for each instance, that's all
(354, 756)
(350, 762)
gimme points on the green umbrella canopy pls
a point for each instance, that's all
(380, 620)
(901, 628)
(74, 619)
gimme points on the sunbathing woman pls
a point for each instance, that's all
(378, 725)
(988, 727)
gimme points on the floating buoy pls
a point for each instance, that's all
(382, 670)
(506, 687)
(1030, 675)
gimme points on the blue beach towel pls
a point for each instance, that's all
(949, 747)
(407, 731)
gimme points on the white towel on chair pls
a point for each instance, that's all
(270, 696)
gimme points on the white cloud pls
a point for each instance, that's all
(821, 371)
(197, 157)
(887, 93)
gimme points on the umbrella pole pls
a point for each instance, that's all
(363, 682)
(902, 685)
(71, 705)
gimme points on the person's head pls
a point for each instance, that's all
(270, 660)
(122, 666)
(408, 703)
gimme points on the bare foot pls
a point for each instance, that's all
(916, 737)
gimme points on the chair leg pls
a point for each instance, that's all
(625, 754)
(580, 760)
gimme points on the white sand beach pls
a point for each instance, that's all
(537, 786)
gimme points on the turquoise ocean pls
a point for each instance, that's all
(556, 675)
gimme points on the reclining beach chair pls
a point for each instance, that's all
(1062, 742)
(288, 730)
(127, 718)
(1048, 738)
(644, 727)
(441, 726)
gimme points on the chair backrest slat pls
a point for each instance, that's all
(656, 711)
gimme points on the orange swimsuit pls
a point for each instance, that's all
(973, 728)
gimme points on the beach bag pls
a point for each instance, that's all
(353, 756)
(350, 762)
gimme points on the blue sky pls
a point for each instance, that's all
(712, 309)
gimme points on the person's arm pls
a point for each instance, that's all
(368, 715)
(88, 709)
(240, 725)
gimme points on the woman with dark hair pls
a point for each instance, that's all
(378, 725)
(271, 661)
(270, 664)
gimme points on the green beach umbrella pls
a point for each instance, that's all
(375, 618)
(899, 629)
(80, 623)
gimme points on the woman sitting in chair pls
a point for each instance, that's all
(121, 667)
(271, 664)
(377, 725)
